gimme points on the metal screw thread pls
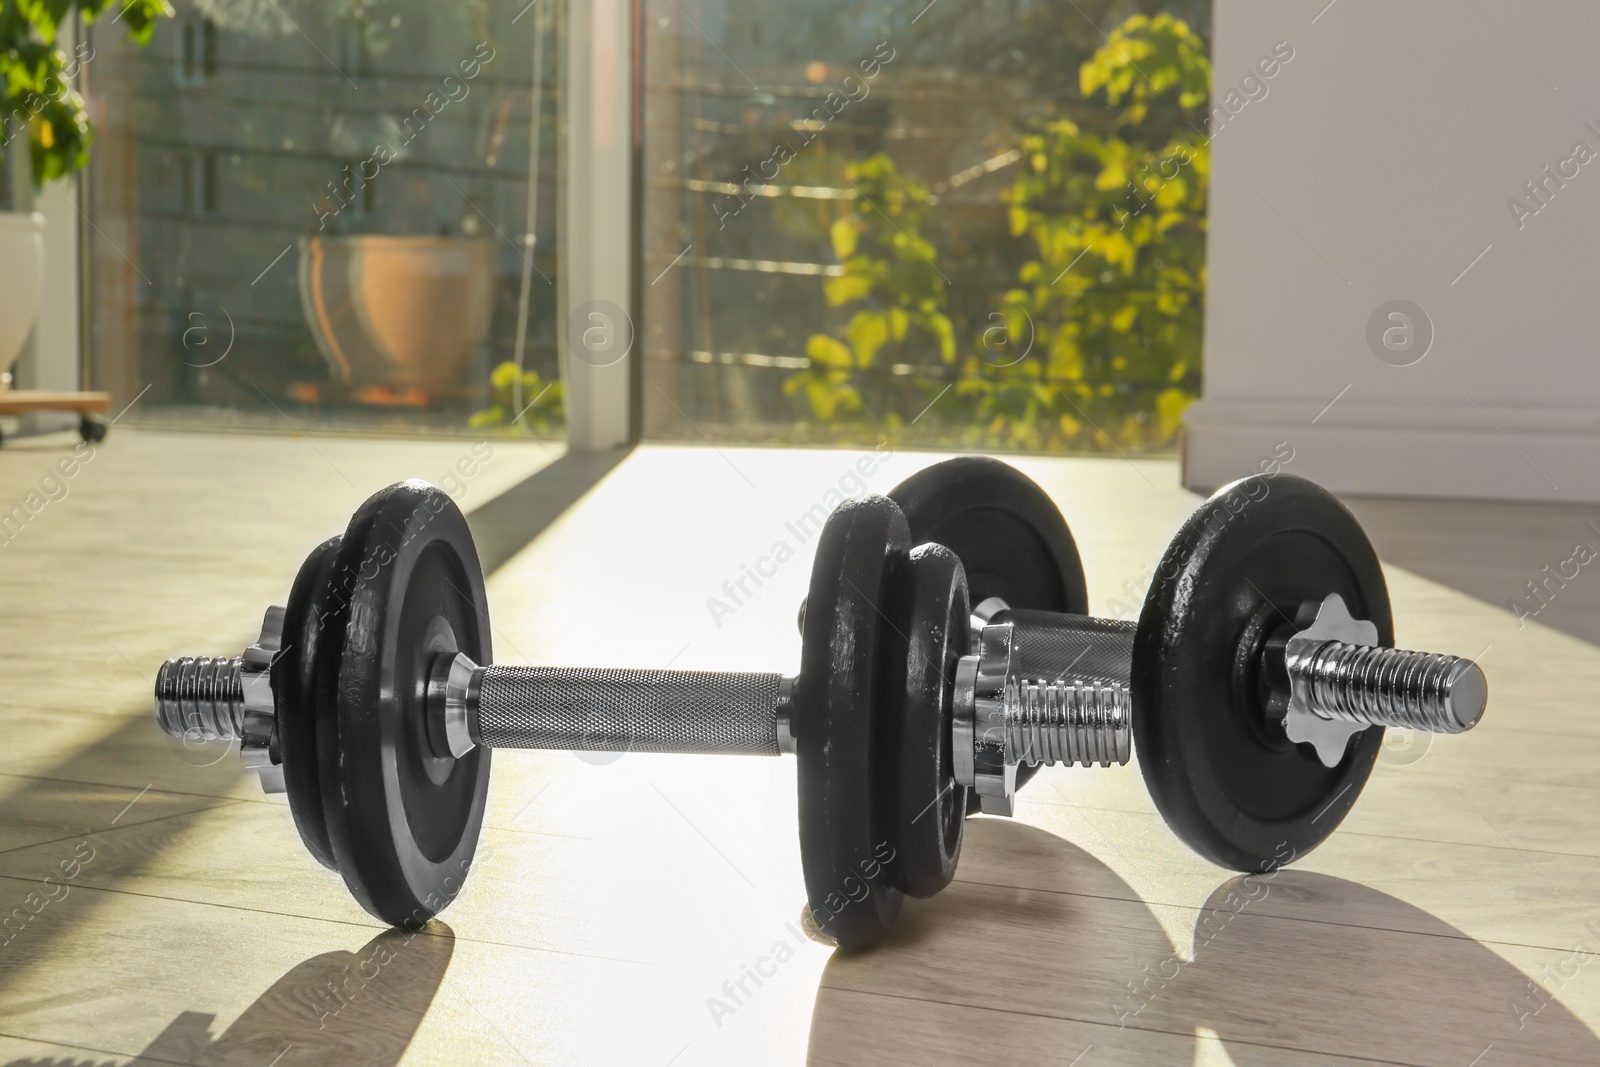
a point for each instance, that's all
(1069, 721)
(201, 698)
(1394, 687)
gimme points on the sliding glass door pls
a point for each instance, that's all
(327, 214)
(944, 223)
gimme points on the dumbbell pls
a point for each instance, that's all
(1259, 671)
(370, 699)
(331, 703)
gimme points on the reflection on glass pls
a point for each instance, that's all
(976, 224)
(315, 214)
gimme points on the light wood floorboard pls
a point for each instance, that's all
(619, 903)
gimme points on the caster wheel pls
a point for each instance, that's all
(92, 428)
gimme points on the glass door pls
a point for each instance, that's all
(329, 215)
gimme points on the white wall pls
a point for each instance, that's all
(1377, 166)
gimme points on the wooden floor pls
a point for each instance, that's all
(619, 902)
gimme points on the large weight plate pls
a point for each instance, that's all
(1010, 537)
(845, 706)
(403, 823)
(1227, 780)
(315, 601)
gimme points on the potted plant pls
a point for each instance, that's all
(42, 115)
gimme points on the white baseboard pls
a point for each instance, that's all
(1396, 450)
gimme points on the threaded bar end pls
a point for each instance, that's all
(1069, 721)
(201, 698)
(1394, 687)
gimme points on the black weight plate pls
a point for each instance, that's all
(846, 769)
(1244, 564)
(315, 601)
(403, 823)
(930, 806)
(1009, 534)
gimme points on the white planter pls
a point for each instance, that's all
(21, 280)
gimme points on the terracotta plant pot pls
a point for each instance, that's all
(398, 317)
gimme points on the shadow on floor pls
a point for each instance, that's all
(502, 526)
(1403, 986)
(355, 1008)
(1312, 967)
(1051, 962)
(205, 775)
(506, 524)
(1491, 551)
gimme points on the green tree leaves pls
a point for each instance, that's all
(892, 279)
(36, 96)
(543, 403)
(1108, 307)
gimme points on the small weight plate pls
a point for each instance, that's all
(930, 807)
(315, 601)
(403, 822)
(1227, 780)
(844, 721)
(1010, 536)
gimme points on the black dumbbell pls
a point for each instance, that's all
(369, 698)
(1260, 675)
(1259, 669)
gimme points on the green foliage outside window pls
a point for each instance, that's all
(37, 101)
(542, 404)
(891, 277)
(1096, 343)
